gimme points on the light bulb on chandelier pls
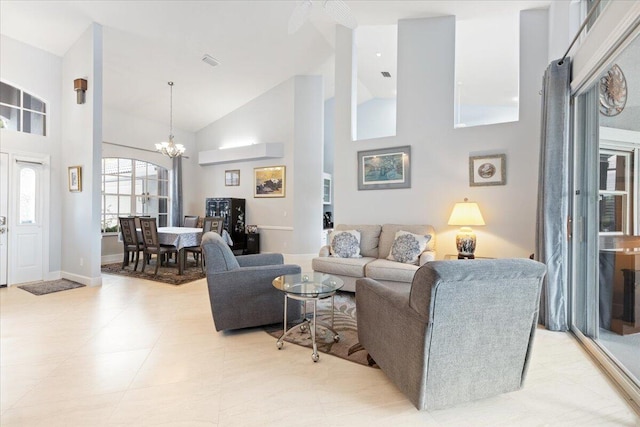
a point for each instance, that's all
(170, 149)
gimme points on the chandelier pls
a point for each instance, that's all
(170, 148)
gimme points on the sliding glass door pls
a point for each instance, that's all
(606, 217)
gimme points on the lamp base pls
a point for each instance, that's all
(466, 243)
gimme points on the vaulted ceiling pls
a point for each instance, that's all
(148, 43)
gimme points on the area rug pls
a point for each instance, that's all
(168, 274)
(345, 325)
(50, 287)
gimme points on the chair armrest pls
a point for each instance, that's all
(242, 280)
(389, 298)
(260, 259)
(427, 256)
(324, 251)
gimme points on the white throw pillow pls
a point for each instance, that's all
(407, 247)
(345, 243)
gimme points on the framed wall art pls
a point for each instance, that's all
(269, 181)
(385, 168)
(75, 178)
(232, 178)
(488, 170)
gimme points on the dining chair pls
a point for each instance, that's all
(130, 241)
(151, 243)
(190, 221)
(210, 223)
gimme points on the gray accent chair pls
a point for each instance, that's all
(463, 331)
(240, 289)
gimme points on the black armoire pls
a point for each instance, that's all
(233, 213)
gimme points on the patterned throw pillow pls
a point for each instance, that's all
(407, 247)
(345, 244)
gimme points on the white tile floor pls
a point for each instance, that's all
(135, 352)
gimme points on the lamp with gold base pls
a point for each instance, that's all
(466, 214)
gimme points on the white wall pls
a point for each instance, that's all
(440, 153)
(287, 114)
(39, 73)
(82, 136)
(376, 118)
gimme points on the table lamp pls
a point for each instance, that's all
(466, 214)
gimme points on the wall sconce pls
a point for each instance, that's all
(80, 86)
(466, 214)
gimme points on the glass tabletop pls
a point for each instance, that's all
(311, 285)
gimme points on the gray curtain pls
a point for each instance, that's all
(176, 190)
(553, 195)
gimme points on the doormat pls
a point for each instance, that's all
(345, 325)
(44, 288)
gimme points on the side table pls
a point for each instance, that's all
(305, 287)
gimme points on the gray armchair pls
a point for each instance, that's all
(240, 289)
(463, 331)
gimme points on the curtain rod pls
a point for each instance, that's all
(136, 148)
(584, 24)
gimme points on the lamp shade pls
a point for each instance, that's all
(466, 214)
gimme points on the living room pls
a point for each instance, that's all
(294, 113)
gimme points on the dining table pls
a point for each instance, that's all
(182, 238)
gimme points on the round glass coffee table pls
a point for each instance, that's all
(305, 287)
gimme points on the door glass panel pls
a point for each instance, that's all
(606, 292)
(28, 195)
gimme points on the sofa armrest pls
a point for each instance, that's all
(427, 256)
(324, 251)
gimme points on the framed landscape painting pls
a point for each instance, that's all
(386, 168)
(269, 181)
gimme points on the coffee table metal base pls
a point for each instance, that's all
(311, 324)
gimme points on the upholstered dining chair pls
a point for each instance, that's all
(241, 292)
(190, 221)
(130, 241)
(463, 330)
(208, 224)
(152, 245)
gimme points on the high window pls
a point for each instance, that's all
(133, 188)
(21, 111)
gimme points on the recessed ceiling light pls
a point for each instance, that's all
(378, 54)
(210, 60)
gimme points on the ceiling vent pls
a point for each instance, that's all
(386, 74)
(210, 60)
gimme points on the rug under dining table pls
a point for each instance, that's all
(166, 274)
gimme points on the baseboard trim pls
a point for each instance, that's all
(89, 281)
(109, 259)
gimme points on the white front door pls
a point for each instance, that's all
(4, 198)
(26, 222)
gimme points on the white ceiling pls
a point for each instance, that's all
(148, 43)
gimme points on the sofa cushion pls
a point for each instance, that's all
(407, 247)
(345, 243)
(382, 269)
(388, 235)
(369, 238)
(353, 267)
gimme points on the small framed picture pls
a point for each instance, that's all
(385, 168)
(269, 181)
(232, 178)
(75, 178)
(488, 170)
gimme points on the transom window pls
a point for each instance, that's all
(133, 188)
(21, 111)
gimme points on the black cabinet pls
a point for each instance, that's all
(253, 244)
(232, 212)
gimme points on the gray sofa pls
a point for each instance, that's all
(464, 331)
(375, 244)
(240, 289)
